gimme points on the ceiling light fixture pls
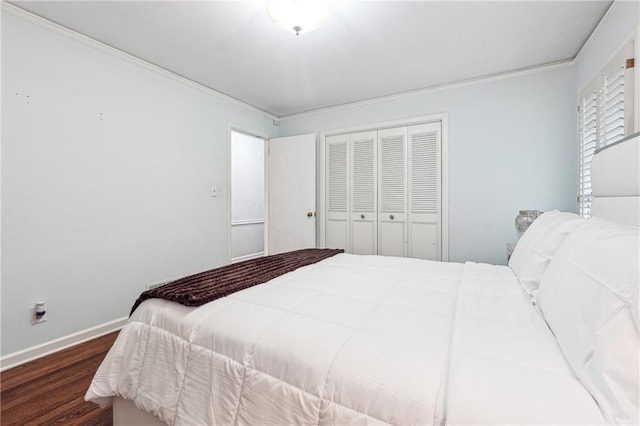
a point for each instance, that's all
(297, 16)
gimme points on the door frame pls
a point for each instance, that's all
(443, 118)
(231, 127)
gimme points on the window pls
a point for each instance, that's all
(605, 113)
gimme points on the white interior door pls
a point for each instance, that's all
(291, 193)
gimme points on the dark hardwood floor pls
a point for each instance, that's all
(50, 390)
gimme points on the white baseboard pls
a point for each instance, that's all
(21, 357)
(247, 257)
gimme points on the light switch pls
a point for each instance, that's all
(214, 191)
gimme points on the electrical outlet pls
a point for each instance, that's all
(38, 313)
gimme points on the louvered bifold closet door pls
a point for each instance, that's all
(364, 220)
(337, 193)
(392, 192)
(424, 219)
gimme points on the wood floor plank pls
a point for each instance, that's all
(86, 414)
(72, 411)
(51, 381)
(103, 417)
(59, 360)
(51, 390)
(36, 407)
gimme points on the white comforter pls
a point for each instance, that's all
(352, 339)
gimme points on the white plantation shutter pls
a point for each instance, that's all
(424, 172)
(605, 117)
(613, 107)
(337, 165)
(363, 175)
(588, 142)
(392, 179)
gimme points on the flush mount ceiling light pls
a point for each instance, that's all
(297, 16)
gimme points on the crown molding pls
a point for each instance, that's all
(478, 80)
(68, 33)
(105, 48)
(612, 8)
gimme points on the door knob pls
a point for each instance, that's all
(391, 217)
(361, 216)
(309, 214)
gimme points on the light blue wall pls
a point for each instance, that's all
(94, 207)
(512, 146)
(107, 169)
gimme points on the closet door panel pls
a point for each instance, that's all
(392, 192)
(337, 233)
(424, 241)
(392, 238)
(337, 192)
(363, 236)
(424, 188)
(363, 193)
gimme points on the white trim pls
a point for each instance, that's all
(636, 81)
(247, 222)
(454, 85)
(442, 118)
(444, 192)
(247, 257)
(90, 42)
(267, 148)
(321, 195)
(240, 129)
(26, 355)
(597, 29)
(378, 125)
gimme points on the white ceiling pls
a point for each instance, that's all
(366, 49)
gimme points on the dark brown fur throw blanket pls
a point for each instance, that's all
(204, 287)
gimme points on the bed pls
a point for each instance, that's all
(551, 338)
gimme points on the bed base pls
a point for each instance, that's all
(125, 413)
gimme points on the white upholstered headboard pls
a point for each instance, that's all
(615, 181)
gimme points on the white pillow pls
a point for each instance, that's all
(537, 245)
(589, 297)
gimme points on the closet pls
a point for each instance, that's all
(383, 191)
